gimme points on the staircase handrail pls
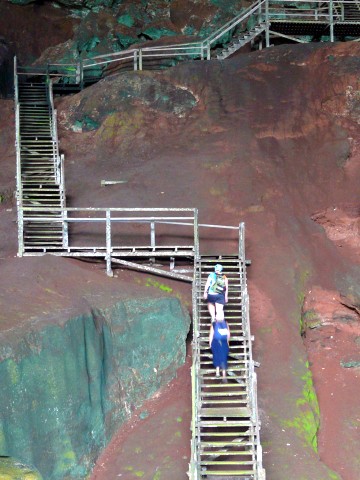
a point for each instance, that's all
(19, 194)
(116, 56)
(194, 465)
(54, 133)
(234, 22)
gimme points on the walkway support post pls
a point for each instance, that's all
(242, 241)
(108, 244)
(140, 59)
(331, 18)
(196, 236)
(135, 60)
(208, 53)
(267, 23)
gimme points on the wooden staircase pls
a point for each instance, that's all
(226, 419)
(39, 194)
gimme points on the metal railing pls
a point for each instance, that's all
(19, 195)
(264, 11)
(252, 378)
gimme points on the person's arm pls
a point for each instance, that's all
(211, 335)
(207, 286)
(227, 290)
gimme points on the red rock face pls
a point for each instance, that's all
(31, 29)
(342, 226)
(332, 336)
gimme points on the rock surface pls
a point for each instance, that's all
(272, 140)
(12, 469)
(69, 383)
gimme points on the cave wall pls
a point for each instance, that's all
(66, 389)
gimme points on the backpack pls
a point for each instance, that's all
(219, 285)
(220, 330)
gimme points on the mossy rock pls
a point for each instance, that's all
(12, 469)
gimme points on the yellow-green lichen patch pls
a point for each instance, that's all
(13, 372)
(308, 420)
(12, 469)
(161, 286)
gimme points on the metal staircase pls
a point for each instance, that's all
(40, 194)
(225, 427)
(241, 40)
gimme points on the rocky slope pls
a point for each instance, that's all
(269, 138)
(272, 139)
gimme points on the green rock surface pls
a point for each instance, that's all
(12, 469)
(67, 389)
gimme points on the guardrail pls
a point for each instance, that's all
(90, 70)
(252, 378)
(19, 195)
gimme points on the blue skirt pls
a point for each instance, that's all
(220, 351)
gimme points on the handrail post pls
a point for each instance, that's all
(208, 53)
(135, 60)
(242, 241)
(65, 229)
(64, 215)
(140, 59)
(331, 15)
(267, 33)
(81, 72)
(152, 235)
(108, 243)
(260, 13)
(196, 236)
(19, 199)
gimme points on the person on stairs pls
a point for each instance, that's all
(216, 292)
(219, 338)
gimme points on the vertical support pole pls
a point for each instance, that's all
(259, 14)
(331, 15)
(196, 236)
(208, 53)
(108, 244)
(48, 73)
(65, 229)
(140, 59)
(135, 60)
(152, 240)
(267, 33)
(81, 72)
(152, 235)
(202, 52)
(20, 216)
(242, 242)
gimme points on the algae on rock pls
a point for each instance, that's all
(67, 389)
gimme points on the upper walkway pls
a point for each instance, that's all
(261, 24)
